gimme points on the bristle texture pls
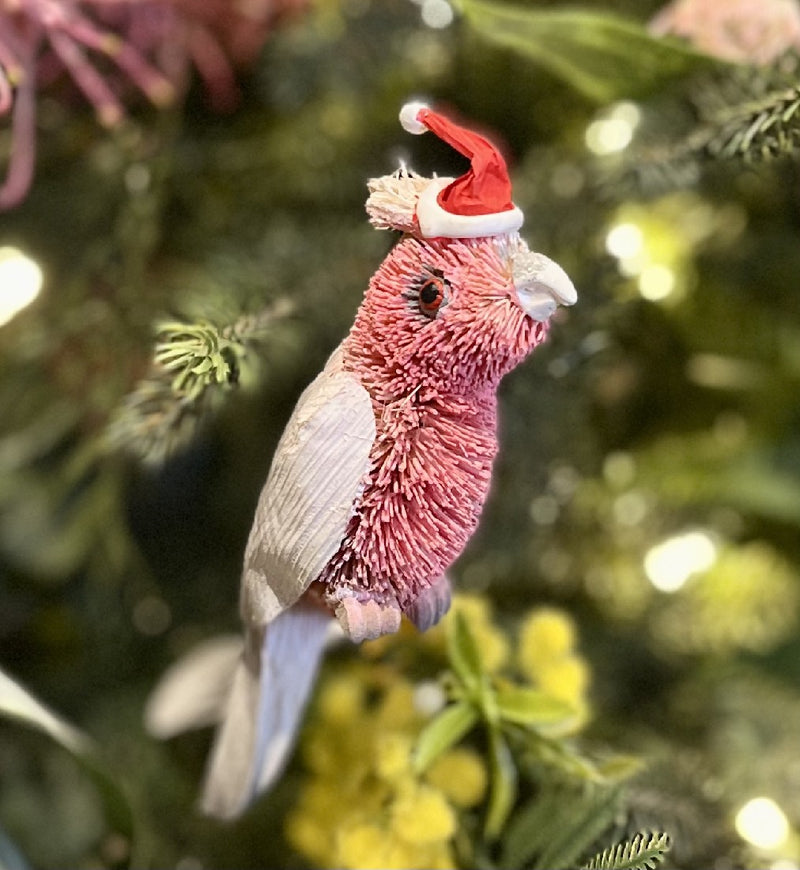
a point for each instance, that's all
(433, 385)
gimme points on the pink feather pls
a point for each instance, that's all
(432, 385)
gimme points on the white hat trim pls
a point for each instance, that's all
(435, 221)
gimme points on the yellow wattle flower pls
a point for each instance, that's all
(566, 679)
(422, 816)
(545, 635)
(460, 775)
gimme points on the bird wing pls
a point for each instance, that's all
(320, 465)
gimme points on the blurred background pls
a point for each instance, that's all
(183, 242)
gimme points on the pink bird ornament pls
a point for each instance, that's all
(379, 479)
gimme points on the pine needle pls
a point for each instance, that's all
(643, 852)
(751, 118)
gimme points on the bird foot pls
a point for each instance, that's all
(430, 605)
(366, 620)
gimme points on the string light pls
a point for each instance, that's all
(624, 241)
(20, 282)
(614, 132)
(762, 823)
(671, 563)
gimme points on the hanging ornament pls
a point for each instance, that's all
(379, 479)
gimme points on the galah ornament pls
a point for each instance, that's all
(379, 479)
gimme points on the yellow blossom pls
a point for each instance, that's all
(546, 634)
(566, 679)
(460, 775)
(340, 699)
(421, 815)
(393, 755)
(396, 708)
(306, 835)
(364, 845)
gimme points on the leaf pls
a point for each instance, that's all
(584, 818)
(643, 852)
(528, 829)
(531, 707)
(618, 768)
(442, 732)
(503, 784)
(463, 651)
(17, 703)
(557, 825)
(604, 56)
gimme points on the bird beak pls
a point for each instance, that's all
(541, 285)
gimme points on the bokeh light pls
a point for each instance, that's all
(614, 131)
(762, 823)
(21, 281)
(671, 563)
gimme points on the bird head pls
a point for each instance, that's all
(460, 299)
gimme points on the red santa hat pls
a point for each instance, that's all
(476, 204)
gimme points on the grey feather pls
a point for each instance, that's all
(268, 694)
(192, 692)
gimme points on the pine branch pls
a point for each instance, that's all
(194, 365)
(756, 130)
(643, 852)
(751, 118)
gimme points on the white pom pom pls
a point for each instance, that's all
(408, 118)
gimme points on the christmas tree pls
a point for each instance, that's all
(183, 243)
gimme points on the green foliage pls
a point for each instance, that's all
(556, 827)
(647, 413)
(604, 56)
(534, 724)
(643, 852)
(194, 366)
(751, 116)
(443, 732)
(17, 703)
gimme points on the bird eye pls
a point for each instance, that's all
(431, 292)
(431, 295)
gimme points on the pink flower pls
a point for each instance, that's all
(107, 46)
(748, 31)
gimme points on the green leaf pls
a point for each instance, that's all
(557, 825)
(503, 784)
(531, 707)
(463, 651)
(17, 703)
(529, 829)
(442, 732)
(644, 852)
(604, 56)
(583, 819)
(618, 768)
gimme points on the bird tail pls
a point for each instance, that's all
(268, 693)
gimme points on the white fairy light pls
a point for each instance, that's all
(608, 135)
(762, 823)
(437, 13)
(20, 282)
(656, 281)
(624, 241)
(614, 131)
(671, 563)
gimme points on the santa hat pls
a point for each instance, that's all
(476, 204)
